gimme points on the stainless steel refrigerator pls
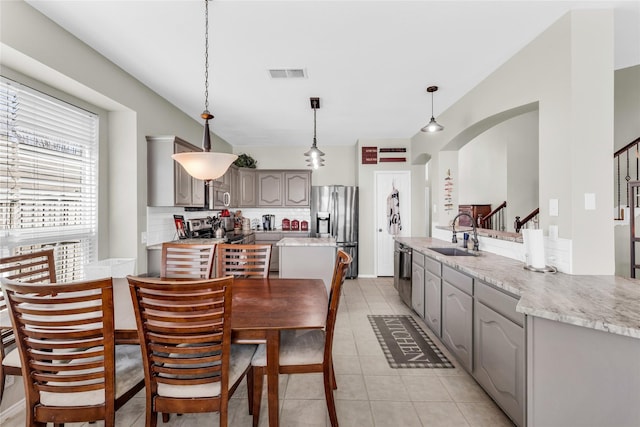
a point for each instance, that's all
(334, 212)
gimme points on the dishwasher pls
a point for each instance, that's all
(402, 272)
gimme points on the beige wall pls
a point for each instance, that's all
(557, 71)
(338, 169)
(39, 49)
(627, 106)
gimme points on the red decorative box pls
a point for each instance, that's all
(295, 225)
(286, 225)
(304, 226)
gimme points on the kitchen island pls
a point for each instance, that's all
(310, 257)
(551, 349)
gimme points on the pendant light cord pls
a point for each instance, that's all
(206, 57)
(314, 127)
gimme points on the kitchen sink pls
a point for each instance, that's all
(454, 252)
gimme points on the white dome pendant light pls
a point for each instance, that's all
(205, 165)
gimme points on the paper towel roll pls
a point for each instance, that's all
(534, 248)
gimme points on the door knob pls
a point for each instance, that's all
(379, 230)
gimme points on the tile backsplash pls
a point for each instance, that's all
(160, 226)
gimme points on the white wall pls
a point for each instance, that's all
(558, 71)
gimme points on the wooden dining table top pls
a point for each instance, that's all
(275, 303)
(258, 304)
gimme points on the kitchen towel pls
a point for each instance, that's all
(393, 212)
(533, 248)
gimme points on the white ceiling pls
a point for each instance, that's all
(368, 61)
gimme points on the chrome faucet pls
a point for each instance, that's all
(454, 239)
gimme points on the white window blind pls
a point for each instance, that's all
(48, 178)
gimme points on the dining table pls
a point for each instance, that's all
(261, 309)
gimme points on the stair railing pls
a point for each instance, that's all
(519, 225)
(495, 219)
(625, 155)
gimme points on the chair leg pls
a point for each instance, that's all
(258, 378)
(165, 417)
(334, 384)
(250, 389)
(2, 375)
(328, 393)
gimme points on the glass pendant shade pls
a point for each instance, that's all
(205, 165)
(432, 126)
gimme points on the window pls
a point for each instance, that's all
(48, 178)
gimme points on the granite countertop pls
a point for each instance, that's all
(307, 241)
(212, 241)
(605, 303)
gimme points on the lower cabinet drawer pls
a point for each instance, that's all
(498, 301)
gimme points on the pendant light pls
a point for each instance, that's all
(205, 165)
(432, 126)
(314, 155)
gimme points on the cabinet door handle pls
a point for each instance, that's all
(227, 198)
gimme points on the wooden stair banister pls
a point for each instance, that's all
(629, 171)
(487, 221)
(517, 225)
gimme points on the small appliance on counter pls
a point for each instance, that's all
(268, 222)
(286, 225)
(295, 225)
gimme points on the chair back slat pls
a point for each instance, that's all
(37, 267)
(184, 329)
(65, 337)
(247, 261)
(187, 261)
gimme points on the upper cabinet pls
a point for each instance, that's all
(297, 188)
(246, 189)
(278, 188)
(270, 191)
(168, 183)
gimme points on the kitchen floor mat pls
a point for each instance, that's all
(405, 344)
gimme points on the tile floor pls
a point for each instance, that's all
(369, 393)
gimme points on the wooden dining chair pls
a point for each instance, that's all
(304, 352)
(37, 267)
(190, 365)
(187, 261)
(249, 261)
(71, 368)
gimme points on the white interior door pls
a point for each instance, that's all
(385, 181)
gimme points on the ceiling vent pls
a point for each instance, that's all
(287, 73)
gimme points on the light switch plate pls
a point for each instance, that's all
(590, 201)
(553, 232)
(553, 207)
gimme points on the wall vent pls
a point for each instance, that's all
(287, 73)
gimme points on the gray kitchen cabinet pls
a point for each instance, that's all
(417, 283)
(499, 360)
(270, 188)
(433, 301)
(168, 183)
(433, 294)
(297, 188)
(457, 316)
(246, 194)
(281, 188)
